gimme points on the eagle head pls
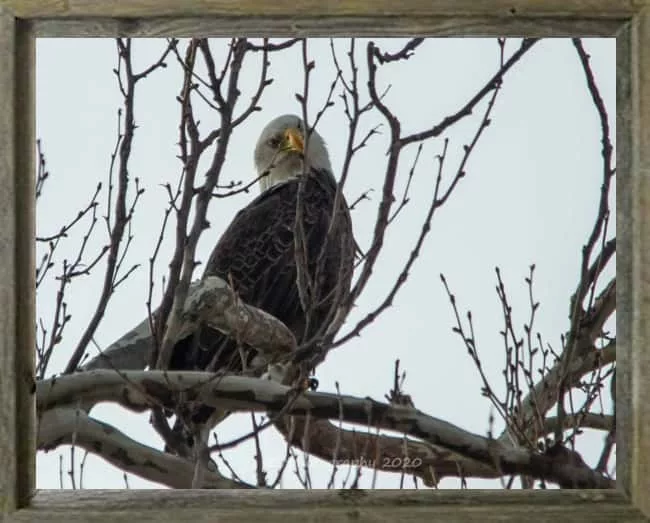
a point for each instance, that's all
(283, 151)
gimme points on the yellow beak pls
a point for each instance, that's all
(293, 141)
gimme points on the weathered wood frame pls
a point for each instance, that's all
(21, 21)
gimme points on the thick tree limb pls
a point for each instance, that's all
(587, 420)
(212, 302)
(130, 352)
(343, 447)
(67, 425)
(140, 390)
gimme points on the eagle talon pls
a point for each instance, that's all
(309, 384)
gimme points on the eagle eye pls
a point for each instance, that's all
(275, 141)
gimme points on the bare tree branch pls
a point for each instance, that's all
(122, 216)
(59, 426)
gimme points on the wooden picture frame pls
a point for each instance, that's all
(21, 21)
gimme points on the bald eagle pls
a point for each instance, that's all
(257, 252)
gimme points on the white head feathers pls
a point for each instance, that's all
(281, 152)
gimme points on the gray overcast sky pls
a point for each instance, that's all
(530, 196)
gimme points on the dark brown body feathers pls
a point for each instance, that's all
(256, 254)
